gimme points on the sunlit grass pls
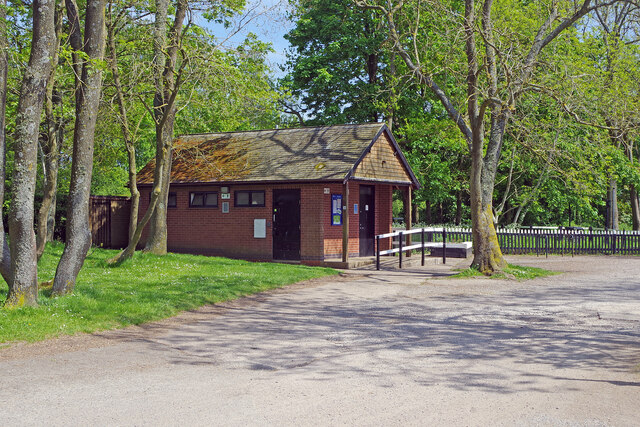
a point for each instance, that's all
(142, 289)
(517, 272)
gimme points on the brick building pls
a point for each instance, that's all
(288, 194)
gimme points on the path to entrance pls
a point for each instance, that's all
(383, 348)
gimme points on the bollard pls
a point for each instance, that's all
(377, 252)
(400, 260)
(422, 239)
(444, 245)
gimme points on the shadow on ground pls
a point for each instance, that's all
(504, 338)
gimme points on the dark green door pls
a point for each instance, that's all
(286, 224)
(367, 220)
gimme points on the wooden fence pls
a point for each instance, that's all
(109, 219)
(544, 241)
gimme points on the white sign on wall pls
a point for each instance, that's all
(259, 228)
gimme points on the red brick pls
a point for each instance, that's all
(209, 231)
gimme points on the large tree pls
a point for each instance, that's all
(167, 78)
(89, 89)
(338, 63)
(619, 100)
(5, 257)
(212, 87)
(23, 284)
(50, 145)
(499, 61)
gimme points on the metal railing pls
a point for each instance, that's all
(424, 244)
(533, 240)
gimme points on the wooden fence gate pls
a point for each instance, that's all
(109, 218)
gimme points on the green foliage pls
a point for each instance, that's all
(337, 67)
(223, 89)
(438, 156)
(143, 289)
(235, 94)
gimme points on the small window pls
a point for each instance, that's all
(250, 198)
(203, 200)
(172, 201)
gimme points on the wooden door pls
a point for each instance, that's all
(367, 220)
(101, 223)
(286, 224)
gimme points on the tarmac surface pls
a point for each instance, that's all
(409, 347)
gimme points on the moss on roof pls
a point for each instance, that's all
(315, 153)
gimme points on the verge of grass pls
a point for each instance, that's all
(518, 272)
(142, 289)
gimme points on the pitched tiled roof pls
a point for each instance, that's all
(319, 153)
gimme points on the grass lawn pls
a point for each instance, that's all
(518, 272)
(143, 289)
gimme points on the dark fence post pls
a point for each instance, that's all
(377, 252)
(546, 245)
(573, 241)
(422, 240)
(444, 245)
(400, 247)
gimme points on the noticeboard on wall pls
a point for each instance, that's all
(336, 209)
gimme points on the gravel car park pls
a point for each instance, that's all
(409, 347)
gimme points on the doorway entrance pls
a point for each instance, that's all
(286, 224)
(367, 220)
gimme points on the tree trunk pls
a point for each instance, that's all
(78, 229)
(167, 85)
(427, 210)
(635, 207)
(124, 124)
(5, 256)
(23, 288)
(128, 252)
(487, 255)
(414, 213)
(157, 240)
(50, 148)
(51, 219)
(633, 192)
(458, 218)
(164, 110)
(75, 42)
(612, 205)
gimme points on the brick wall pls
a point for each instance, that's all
(383, 218)
(209, 231)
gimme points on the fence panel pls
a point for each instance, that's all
(539, 241)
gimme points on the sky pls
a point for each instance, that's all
(267, 19)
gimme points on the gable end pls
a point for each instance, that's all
(383, 161)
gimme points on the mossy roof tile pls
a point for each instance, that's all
(314, 153)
